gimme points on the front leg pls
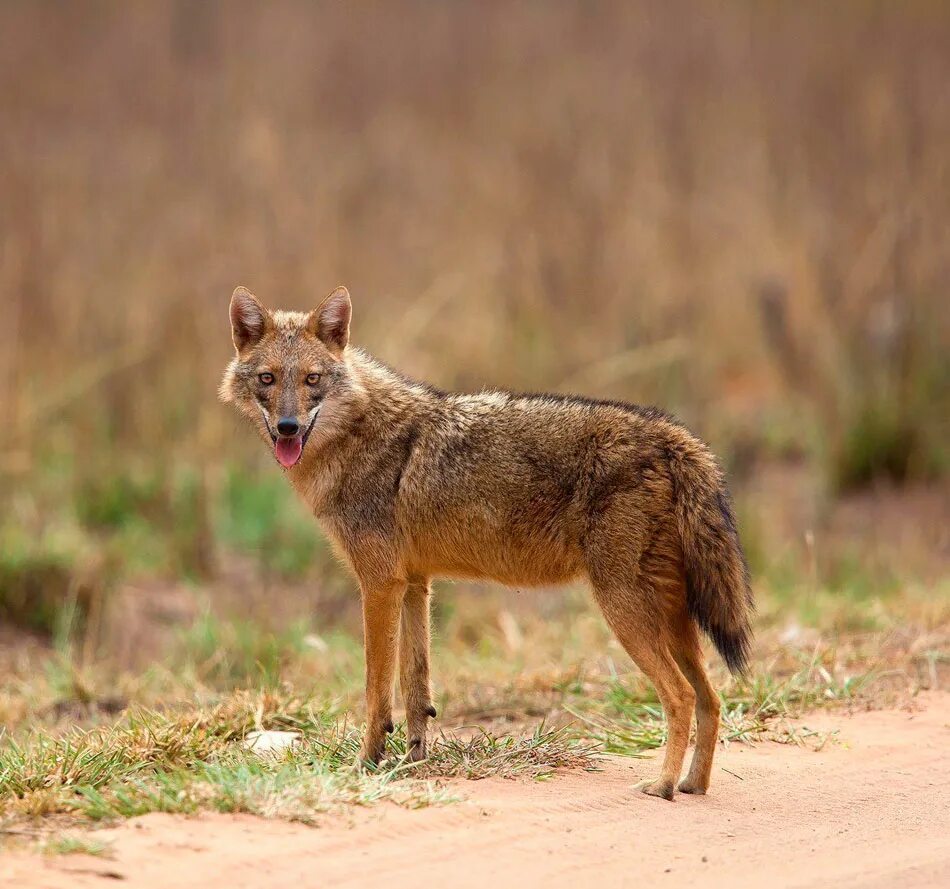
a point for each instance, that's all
(381, 605)
(414, 667)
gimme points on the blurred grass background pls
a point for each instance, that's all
(738, 210)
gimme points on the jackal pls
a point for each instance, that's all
(412, 483)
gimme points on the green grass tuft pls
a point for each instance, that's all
(70, 844)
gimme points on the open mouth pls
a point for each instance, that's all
(288, 448)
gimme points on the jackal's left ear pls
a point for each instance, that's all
(330, 321)
(249, 319)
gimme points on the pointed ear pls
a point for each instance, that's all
(249, 319)
(330, 322)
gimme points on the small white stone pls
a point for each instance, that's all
(271, 742)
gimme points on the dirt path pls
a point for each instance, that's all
(870, 810)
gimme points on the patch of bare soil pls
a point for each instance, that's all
(869, 809)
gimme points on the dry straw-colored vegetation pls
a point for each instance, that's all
(739, 210)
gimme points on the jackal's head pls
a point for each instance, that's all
(290, 375)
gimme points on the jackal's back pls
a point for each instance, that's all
(512, 482)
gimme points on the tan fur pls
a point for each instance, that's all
(411, 483)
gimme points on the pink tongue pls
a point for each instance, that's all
(288, 450)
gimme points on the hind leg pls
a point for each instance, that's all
(634, 562)
(689, 657)
(637, 619)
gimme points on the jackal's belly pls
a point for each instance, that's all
(512, 556)
(500, 571)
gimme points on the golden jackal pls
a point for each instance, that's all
(413, 483)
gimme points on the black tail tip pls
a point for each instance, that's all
(734, 649)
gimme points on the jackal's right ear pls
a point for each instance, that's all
(249, 319)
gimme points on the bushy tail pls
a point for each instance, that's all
(718, 594)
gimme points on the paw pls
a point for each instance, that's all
(360, 765)
(662, 788)
(416, 732)
(374, 746)
(416, 749)
(689, 786)
(369, 758)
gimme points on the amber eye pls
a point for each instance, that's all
(313, 379)
(266, 378)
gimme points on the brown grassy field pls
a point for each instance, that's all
(737, 211)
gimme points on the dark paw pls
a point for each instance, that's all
(365, 761)
(371, 753)
(416, 751)
(430, 711)
(686, 786)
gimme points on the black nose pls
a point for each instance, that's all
(288, 426)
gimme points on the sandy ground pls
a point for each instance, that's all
(871, 809)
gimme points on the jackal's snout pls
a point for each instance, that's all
(288, 427)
